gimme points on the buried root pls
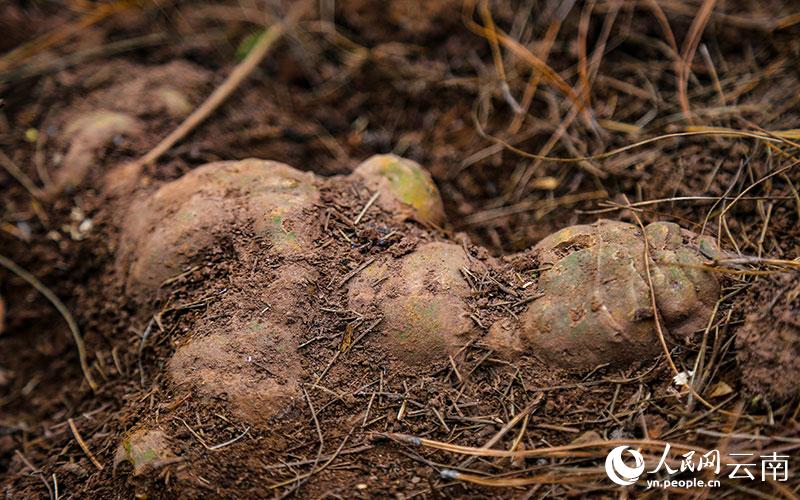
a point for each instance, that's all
(586, 303)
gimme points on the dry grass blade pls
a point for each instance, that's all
(536, 77)
(83, 445)
(583, 64)
(20, 176)
(588, 449)
(215, 446)
(316, 470)
(549, 74)
(55, 37)
(61, 308)
(614, 152)
(510, 425)
(689, 50)
(567, 477)
(237, 76)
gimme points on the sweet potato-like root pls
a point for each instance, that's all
(591, 304)
(144, 449)
(251, 361)
(120, 110)
(251, 364)
(405, 189)
(87, 135)
(167, 231)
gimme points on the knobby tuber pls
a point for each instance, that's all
(589, 304)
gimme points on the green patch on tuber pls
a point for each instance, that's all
(406, 189)
(144, 449)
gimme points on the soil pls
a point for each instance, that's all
(238, 356)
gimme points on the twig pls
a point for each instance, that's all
(61, 308)
(510, 425)
(216, 446)
(303, 480)
(578, 159)
(321, 467)
(347, 277)
(366, 207)
(83, 445)
(20, 176)
(689, 49)
(575, 476)
(339, 351)
(569, 450)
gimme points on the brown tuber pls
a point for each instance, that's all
(422, 297)
(595, 306)
(590, 305)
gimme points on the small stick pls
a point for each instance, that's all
(83, 445)
(366, 207)
(316, 469)
(14, 171)
(61, 308)
(510, 425)
(216, 446)
(347, 277)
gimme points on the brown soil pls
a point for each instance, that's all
(256, 331)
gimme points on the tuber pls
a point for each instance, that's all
(121, 110)
(590, 304)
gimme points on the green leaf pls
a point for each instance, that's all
(247, 44)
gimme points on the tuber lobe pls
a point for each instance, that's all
(595, 306)
(422, 297)
(405, 189)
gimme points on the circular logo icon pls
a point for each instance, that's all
(620, 472)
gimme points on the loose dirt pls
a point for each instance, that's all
(259, 322)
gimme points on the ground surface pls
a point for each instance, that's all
(421, 82)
